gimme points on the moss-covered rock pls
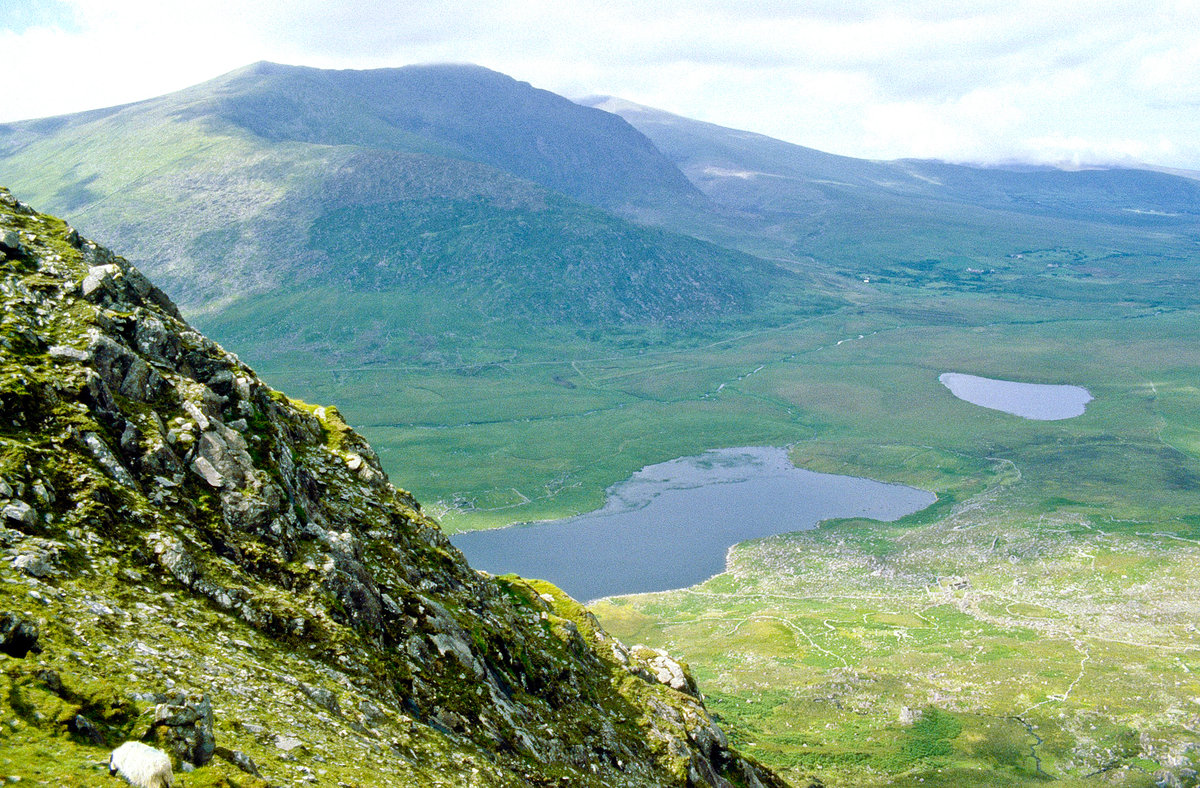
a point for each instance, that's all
(173, 528)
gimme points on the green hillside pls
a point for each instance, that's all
(737, 167)
(917, 222)
(265, 178)
(459, 111)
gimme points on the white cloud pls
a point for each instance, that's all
(120, 52)
(982, 80)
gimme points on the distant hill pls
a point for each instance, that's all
(460, 111)
(454, 182)
(1025, 231)
(753, 171)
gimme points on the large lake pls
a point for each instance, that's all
(1039, 401)
(670, 525)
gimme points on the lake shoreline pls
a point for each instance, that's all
(1033, 401)
(671, 525)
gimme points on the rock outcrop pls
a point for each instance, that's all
(210, 565)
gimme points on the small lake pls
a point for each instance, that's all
(670, 525)
(1039, 401)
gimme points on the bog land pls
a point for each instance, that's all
(1038, 621)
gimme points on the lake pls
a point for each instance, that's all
(670, 525)
(1039, 401)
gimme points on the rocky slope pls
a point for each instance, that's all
(192, 558)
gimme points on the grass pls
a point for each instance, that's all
(542, 433)
(1075, 537)
(1081, 637)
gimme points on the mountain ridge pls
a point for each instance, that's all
(711, 154)
(454, 110)
(218, 190)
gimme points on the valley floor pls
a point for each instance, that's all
(976, 650)
(1038, 622)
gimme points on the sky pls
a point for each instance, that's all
(977, 81)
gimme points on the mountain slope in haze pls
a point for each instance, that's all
(456, 111)
(732, 165)
(710, 154)
(193, 559)
(1109, 235)
(240, 186)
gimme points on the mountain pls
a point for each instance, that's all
(194, 559)
(453, 111)
(463, 112)
(1024, 231)
(714, 157)
(323, 222)
(752, 171)
(450, 180)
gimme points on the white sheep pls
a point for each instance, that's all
(141, 765)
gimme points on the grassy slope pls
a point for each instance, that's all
(460, 111)
(925, 223)
(220, 216)
(242, 186)
(811, 647)
(194, 201)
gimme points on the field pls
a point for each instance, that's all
(1053, 648)
(513, 433)
(1038, 622)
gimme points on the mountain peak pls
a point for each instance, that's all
(466, 110)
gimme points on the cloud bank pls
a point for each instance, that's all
(1096, 82)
